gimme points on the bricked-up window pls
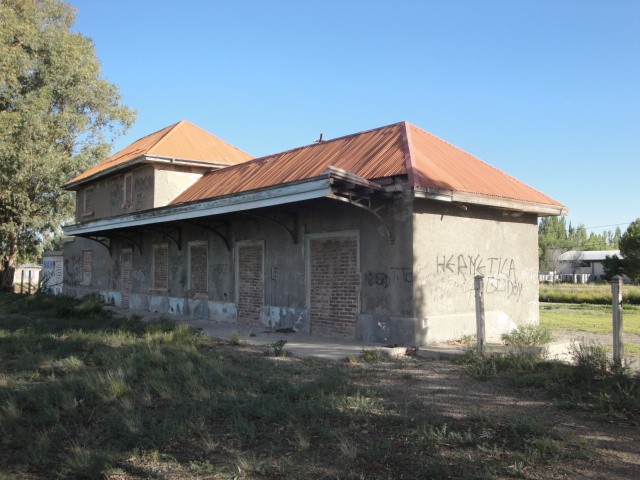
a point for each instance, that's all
(160, 266)
(127, 190)
(87, 266)
(88, 201)
(198, 260)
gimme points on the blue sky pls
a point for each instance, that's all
(548, 91)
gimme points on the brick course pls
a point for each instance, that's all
(334, 285)
(87, 266)
(198, 268)
(160, 267)
(250, 283)
(127, 266)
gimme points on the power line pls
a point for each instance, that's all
(610, 225)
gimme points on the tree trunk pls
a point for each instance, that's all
(9, 264)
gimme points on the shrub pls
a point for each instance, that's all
(528, 336)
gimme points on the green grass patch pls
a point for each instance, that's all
(86, 394)
(588, 318)
(599, 294)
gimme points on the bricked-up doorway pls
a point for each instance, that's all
(249, 281)
(333, 281)
(127, 267)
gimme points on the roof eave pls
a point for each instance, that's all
(540, 209)
(186, 162)
(145, 159)
(102, 173)
(312, 188)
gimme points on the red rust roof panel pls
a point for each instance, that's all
(372, 154)
(182, 140)
(441, 165)
(382, 152)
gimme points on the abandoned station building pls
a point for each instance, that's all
(373, 236)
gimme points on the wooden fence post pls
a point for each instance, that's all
(478, 285)
(616, 303)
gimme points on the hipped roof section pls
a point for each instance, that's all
(430, 164)
(182, 141)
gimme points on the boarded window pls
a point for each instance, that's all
(88, 201)
(250, 282)
(160, 268)
(87, 264)
(334, 282)
(198, 268)
(127, 188)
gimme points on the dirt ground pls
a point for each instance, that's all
(450, 390)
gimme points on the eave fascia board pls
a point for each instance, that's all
(541, 209)
(147, 159)
(316, 187)
(102, 173)
(346, 176)
(186, 162)
(432, 194)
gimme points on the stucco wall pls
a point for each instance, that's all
(385, 280)
(109, 195)
(171, 182)
(451, 246)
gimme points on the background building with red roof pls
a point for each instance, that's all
(374, 236)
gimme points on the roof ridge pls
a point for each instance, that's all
(409, 161)
(170, 130)
(120, 153)
(479, 159)
(174, 127)
(310, 145)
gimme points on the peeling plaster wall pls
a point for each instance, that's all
(415, 290)
(109, 195)
(451, 246)
(171, 182)
(385, 279)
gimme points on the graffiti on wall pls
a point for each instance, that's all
(500, 274)
(143, 187)
(384, 279)
(73, 270)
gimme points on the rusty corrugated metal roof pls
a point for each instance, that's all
(372, 154)
(442, 166)
(398, 149)
(182, 140)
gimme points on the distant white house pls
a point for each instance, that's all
(26, 278)
(583, 266)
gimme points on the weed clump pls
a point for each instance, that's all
(592, 382)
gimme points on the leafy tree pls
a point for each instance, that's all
(578, 237)
(552, 241)
(630, 249)
(612, 266)
(57, 117)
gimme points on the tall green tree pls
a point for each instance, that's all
(552, 241)
(630, 249)
(58, 116)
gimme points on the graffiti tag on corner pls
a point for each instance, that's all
(500, 274)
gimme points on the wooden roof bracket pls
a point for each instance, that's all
(102, 240)
(173, 233)
(291, 230)
(218, 227)
(130, 237)
(105, 239)
(364, 203)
